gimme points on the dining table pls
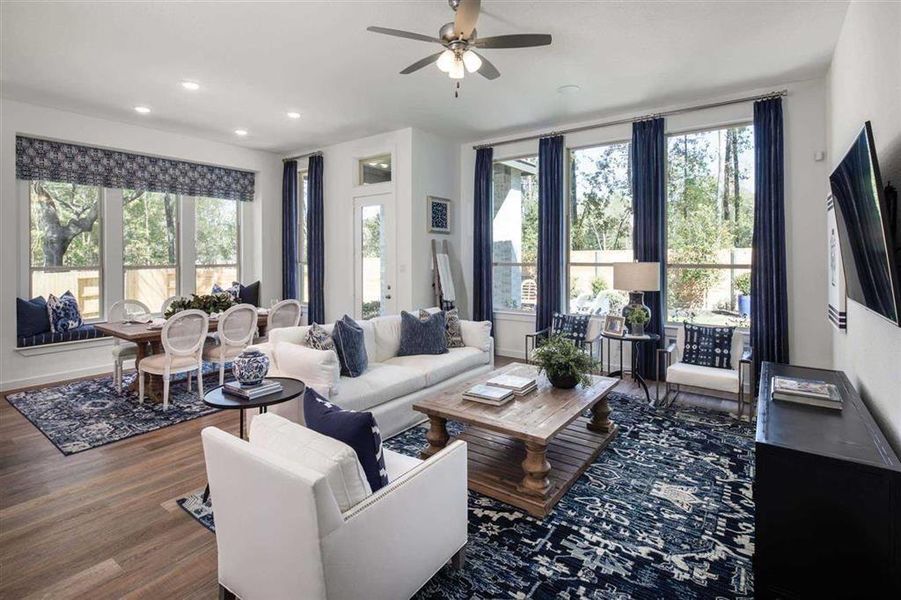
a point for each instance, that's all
(148, 337)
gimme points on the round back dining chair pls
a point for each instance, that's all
(284, 314)
(166, 304)
(237, 326)
(182, 337)
(123, 310)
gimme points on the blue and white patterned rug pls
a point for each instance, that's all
(89, 413)
(665, 512)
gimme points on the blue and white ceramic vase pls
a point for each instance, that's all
(250, 367)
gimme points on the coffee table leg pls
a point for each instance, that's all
(600, 417)
(536, 467)
(437, 436)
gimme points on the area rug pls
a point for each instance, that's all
(89, 413)
(665, 512)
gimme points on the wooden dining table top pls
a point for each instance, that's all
(142, 332)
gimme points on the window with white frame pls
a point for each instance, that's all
(216, 243)
(515, 234)
(600, 226)
(303, 288)
(150, 246)
(66, 245)
(710, 216)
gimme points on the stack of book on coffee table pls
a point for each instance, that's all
(252, 392)
(501, 389)
(806, 391)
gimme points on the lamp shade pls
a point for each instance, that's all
(637, 276)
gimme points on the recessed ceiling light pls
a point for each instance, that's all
(142, 109)
(293, 115)
(241, 132)
(190, 85)
(568, 90)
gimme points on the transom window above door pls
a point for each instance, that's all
(375, 169)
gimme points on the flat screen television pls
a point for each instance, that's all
(864, 229)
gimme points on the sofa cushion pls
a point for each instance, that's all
(318, 369)
(85, 332)
(356, 429)
(476, 334)
(387, 336)
(724, 380)
(350, 344)
(451, 326)
(63, 313)
(327, 456)
(318, 338)
(422, 336)
(439, 367)
(32, 317)
(379, 384)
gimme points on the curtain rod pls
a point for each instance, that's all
(299, 156)
(668, 113)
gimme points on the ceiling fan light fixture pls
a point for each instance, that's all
(472, 61)
(446, 61)
(457, 70)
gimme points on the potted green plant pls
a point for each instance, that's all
(637, 320)
(565, 364)
(743, 285)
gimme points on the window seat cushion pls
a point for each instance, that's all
(85, 332)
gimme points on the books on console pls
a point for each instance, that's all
(488, 394)
(252, 392)
(811, 392)
(520, 386)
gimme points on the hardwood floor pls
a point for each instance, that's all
(104, 524)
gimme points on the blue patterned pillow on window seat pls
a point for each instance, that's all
(63, 312)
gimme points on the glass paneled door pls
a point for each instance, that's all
(374, 256)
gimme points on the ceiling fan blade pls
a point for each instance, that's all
(487, 70)
(467, 15)
(421, 63)
(403, 34)
(516, 40)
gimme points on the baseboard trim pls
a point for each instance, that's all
(15, 385)
(510, 353)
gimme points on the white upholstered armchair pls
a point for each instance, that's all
(281, 534)
(732, 380)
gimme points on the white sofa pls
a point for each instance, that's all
(391, 383)
(281, 534)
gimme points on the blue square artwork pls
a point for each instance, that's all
(439, 215)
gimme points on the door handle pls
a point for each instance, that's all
(388, 297)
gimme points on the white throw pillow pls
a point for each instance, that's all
(476, 334)
(387, 337)
(327, 456)
(319, 369)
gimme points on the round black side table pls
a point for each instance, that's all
(632, 339)
(217, 398)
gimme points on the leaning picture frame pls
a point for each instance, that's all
(439, 215)
(615, 325)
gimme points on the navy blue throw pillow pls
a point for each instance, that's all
(248, 294)
(351, 347)
(356, 429)
(422, 336)
(708, 346)
(32, 317)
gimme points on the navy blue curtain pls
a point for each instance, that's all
(315, 240)
(550, 230)
(649, 239)
(483, 214)
(289, 230)
(769, 290)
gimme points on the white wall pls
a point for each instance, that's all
(805, 192)
(261, 222)
(864, 83)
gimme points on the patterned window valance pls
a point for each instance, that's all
(71, 163)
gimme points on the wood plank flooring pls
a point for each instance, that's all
(104, 524)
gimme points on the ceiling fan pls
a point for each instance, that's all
(460, 42)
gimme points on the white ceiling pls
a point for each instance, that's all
(255, 61)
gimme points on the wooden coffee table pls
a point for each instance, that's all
(530, 451)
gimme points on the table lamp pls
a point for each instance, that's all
(636, 278)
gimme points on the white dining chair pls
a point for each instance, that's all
(166, 304)
(182, 336)
(123, 310)
(237, 326)
(286, 313)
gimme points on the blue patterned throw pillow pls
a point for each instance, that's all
(351, 347)
(708, 346)
(356, 429)
(319, 339)
(234, 291)
(452, 327)
(63, 313)
(422, 336)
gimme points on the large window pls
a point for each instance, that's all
(515, 232)
(710, 215)
(302, 262)
(600, 226)
(150, 246)
(66, 243)
(215, 243)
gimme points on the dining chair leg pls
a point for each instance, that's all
(190, 373)
(117, 381)
(140, 387)
(222, 373)
(165, 393)
(200, 382)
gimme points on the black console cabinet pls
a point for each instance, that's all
(827, 490)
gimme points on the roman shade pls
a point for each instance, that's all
(38, 159)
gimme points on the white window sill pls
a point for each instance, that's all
(57, 347)
(514, 315)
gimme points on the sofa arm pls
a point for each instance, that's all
(268, 349)
(400, 536)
